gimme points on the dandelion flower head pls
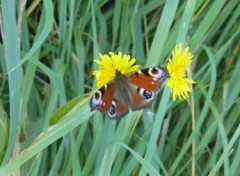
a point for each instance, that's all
(177, 67)
(110, 63)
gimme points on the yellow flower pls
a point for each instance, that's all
(177, 68)
(111, 62)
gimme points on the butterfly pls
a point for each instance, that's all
(136, 90)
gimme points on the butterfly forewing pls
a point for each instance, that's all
(148, 78)
(102, 98)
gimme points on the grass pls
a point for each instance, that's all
(46, 126)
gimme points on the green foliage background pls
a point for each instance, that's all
(46, 55)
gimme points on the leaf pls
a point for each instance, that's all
(63, 110)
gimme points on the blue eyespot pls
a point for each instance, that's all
(112, 110)
(147, 94)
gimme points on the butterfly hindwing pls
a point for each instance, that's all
(108, 100)
(117, 109)
(146, 83)
(141, 98)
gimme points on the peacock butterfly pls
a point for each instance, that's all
(135, 90)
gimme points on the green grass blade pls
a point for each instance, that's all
(49, 136)
(228, 149)
(12, 56)
(203, 113)
(42, 37)
(161, 33)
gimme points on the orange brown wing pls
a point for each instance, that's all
(146, 83)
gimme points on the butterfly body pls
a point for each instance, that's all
(135, 90)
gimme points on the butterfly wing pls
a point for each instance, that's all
(118, 108)
(102, 98)
(146, 83)
(108, 100)
(136, 89)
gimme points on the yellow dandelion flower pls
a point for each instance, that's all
(111, 62)
(177, 67)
